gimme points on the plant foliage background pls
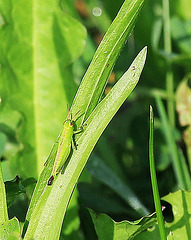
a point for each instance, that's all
(44, 55)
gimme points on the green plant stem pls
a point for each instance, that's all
(154, 181)
(169, 73)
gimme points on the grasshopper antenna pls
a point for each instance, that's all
(69, 115)
(75, 115)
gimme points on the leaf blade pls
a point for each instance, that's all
(53, 202)
(36, 54)
(94, 81)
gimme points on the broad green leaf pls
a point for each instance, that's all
(150, 233)
(94, 81)
(54, 200)
(106, 228)
(181, 208)
(170, 236)
(10, 230)
(180, 227)
(38, 43)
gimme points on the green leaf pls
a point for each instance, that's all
(106, 228)
(37, 80)
(151, 233)
(154, 179)
(54, 200)
(94, 81)
(10, 230)
(181, 225)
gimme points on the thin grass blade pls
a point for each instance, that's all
(154, 180)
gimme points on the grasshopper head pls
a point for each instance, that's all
(69, 124)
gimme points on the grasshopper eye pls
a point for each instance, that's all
(71, 124)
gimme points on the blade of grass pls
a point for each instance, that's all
(154, 181)
(179, 164)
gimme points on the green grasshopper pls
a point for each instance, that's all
(64, 146)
